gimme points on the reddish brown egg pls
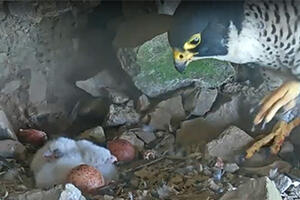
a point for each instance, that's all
(32, 136)
(87, 178)
(122, 149)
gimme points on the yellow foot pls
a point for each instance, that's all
(283, 97)
(280, 131)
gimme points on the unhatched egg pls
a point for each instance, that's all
(32, 136)
(87, 178)
(122, 149)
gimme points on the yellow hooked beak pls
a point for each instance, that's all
(182, 59)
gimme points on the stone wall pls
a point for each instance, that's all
(39, 45)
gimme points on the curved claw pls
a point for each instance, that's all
(283, 97)
(280, 131)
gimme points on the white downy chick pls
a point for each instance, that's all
(100, 158)
(52, 163)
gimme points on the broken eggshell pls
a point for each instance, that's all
(122, 149)
(87, 178)
(32, 136)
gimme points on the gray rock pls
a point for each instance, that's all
(11, 148)
(11, 86)
(286, 148)
(133, 139)
(203, 129)
(38, 87)
(6, 130)
(122, 114)
(231, 167)
(94, 134)
(226, 114)
(296, 191)
(117, 97)
(282, 182)
(261, 189)
(165, 111)
(146, 136)
(216, 187)
(152, 68)
(71, 193)
(230, 143)
(167, 7)
(195, 131)
(53, 193)
(160, 120)
(97, 86)
(143, 103)
(200, 101)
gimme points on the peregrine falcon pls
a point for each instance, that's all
(266, 33)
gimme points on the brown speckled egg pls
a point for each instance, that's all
(32, 136)
(87, 178)
(122, 149)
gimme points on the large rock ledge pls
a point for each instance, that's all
(151, 67)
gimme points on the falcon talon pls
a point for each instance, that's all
(263, 126)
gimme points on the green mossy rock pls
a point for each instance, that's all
(152, 69)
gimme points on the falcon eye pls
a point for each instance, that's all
(193, 42)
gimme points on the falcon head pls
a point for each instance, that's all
(200, 30)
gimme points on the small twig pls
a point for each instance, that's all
(20, 179)
(155, 161)
(146, 164)
(176, 158)
(111, 185)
